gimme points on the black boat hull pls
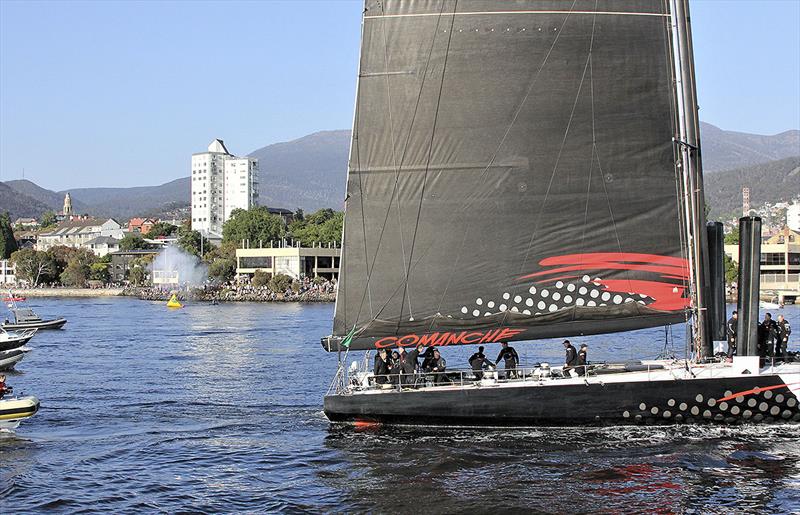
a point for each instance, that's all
(44, 324)
(14, 344)
(617, 403)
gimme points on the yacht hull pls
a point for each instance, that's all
(44, 324)
(765, 398)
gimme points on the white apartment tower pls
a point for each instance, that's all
(221, 182)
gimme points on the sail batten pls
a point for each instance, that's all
(512, 173)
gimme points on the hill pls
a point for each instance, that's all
(308, 172)
(125, 203)
(52, 199)
(18, 204)
(727, 150)
(775, 181)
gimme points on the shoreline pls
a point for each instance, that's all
(152, 294)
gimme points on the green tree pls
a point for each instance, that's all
(137, 274)
(48, 219)
(279, 283)
(323, 226)
(8, 245)
(161, 229)
(193, 242)
(99, 271)
(260, 278)
(222, 269)
(78, 268)
(227, 250)
(256, 225)
(731, 269)
(732, 238)
(33, 266)
(133, 241)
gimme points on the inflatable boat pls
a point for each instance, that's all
(16, 409)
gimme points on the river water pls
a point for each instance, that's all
(219, 409)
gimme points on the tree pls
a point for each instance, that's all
(33, 266)
(76, 274)
(99, 271)
(48, 219)
(161, 229)
(137, 274)
(279, 283)
(227, 250)
(732, 238)
(222, 269)
(8, 245)
(192, 242)
(323, 226)
(260, 278)
(255, 225)
(133, 241)
(731, 269)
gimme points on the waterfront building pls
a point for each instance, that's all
(78, 231)
(123, 260)
(221, 182)
(780, 263)
(7, 272)
(296, 262)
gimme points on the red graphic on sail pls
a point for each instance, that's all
(667, 289)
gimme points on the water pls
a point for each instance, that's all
(219, 409)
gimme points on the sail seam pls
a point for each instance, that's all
(478, 13)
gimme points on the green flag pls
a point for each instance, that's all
(349, 338)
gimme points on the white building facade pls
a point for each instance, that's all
(79, 232)
(221, 182)
(7, 272)
(793, 216)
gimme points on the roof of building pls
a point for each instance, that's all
(26, 221)
(218, 146)
(280, 211)
(103, 240)
(135, 252)
(68, 227)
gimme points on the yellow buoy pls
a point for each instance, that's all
(174, 302)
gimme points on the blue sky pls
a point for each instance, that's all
(121, 93)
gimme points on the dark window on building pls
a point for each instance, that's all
(255, 262)
(794, 258)
(773, 258)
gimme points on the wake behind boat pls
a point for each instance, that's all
(531, 173)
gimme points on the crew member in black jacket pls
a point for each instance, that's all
(784, 330)
(582, 360)
(769, 333)
(570, 358)
(381, 368)
(510, 358)
(478, 362)
(731, 330)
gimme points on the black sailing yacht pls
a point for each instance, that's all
(531, 169)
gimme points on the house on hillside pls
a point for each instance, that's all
(141, 225)
(25, 222)
(102, 245)
(78, 232)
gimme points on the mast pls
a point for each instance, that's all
(689, 142)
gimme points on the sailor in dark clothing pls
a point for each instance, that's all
(510, 360)
(570, 358)
(381, 368)
(394, 368)
(402, 368)
(730, 329)
(437, 366)
(478, 362)
(411, 365)
(582, 360)
(427, 358)
(784, 330)
(768, 335)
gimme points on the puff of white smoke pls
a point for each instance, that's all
(176, 267)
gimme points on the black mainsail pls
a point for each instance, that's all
(512, 174)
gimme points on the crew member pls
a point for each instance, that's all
(510, 359)
(730, 329)
(582, 360)
(412, 365)
(437, 366)
(427, 358)
(784, 330)
(478, 362)
(395, 368)
(769, 336)
(381, 368)
(3, 388)
(570, 358)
